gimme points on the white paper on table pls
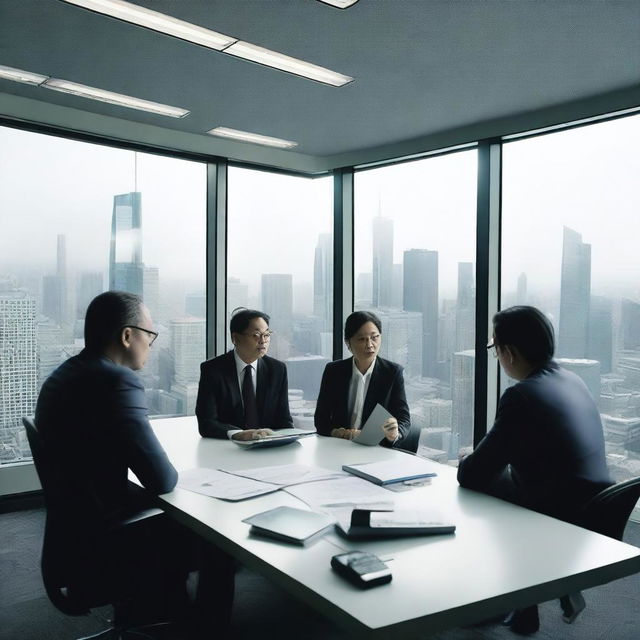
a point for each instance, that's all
(289, 474)
(372, 433)
(219, 484)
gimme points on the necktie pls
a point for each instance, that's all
(249, 400)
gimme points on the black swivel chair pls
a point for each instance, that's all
(606, 513)
(71, 588)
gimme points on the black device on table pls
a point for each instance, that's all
(361, 568)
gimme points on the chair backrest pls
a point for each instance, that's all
(55, 559)
(608, 512)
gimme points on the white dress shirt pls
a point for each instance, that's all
(358, 392)
(240, 367)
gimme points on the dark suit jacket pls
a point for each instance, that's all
(219, 405)
(386, 387)
(547, 436)
(92, 414)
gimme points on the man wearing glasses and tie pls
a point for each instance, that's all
(243, 394)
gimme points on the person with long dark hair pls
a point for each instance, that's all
(351, 388)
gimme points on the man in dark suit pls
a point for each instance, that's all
(243, 394)
(92, 415)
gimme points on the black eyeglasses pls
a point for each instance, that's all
(493, 347)
(257, 336)
(151, 333)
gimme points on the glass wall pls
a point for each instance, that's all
(414, 266)
(570, 228)
(78, 219)
(280, 260)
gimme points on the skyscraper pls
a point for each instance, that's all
(420, 293)
(91, 284)
(382, 295)
(277, 301)
(575, 291)
(188, 337)
(151, 290)
(462, 395)
(323, 280)
(465, 308)
(600, 343)
(18, 370)
(125, 256)
(55, 304)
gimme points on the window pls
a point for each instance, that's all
(280, 260)
(569, 246)
(78, 219)
(414, 266)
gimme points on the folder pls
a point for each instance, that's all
(391, 471)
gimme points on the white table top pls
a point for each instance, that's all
(500, 558)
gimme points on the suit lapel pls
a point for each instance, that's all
(343, 387)
(262, 383)
(231, 380)
(375, 391)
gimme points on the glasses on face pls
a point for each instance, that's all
(493, 348)
(375, 338)
(153, 334)
(257, 336)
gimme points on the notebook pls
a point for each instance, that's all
(298, 526)
(389, 471)
(373, 523)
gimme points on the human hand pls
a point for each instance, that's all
(347, 434)
(251, 434)
(390, 428)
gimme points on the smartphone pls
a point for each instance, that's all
(361, 568)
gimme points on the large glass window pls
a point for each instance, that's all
(571, 223)
(280, 260)
(78, 219)
(414, 266)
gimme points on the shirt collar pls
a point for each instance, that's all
(368, 372)
(241, 364)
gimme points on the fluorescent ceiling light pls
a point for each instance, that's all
(341, 4)
(157, 21)
(9, 73)
(252, 52)
(256, 138)
(199, 35)
(113, 98)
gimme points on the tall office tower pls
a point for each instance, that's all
(575, 291)
(397, 276)
(151, 290)
(382, 262)
(126, 271)
(237, 295)
(465, 308)
(195, 304)
(629, 367)
(91, 284)
(277, 302)
(188, 344)
(18, 370)
(363, 291)
(521, 295)
(402, 339)
(600, 342)
(420, 293)
(462, 395)
(323, 280)
(51, 298)
(50, 349)
(629, 332)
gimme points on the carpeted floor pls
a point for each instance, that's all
(263, 611)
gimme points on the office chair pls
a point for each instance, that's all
(606, 513)
(73, 589)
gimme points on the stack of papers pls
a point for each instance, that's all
(288, 474)
(225, 486)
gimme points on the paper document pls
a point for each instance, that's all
(371, 433)
(219, 484)
(288, 474)
(342, 492)
(396, 470)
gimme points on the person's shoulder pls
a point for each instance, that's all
(339, 365)
(273, 364)
(388, 365)
(218, 362)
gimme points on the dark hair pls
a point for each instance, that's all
(528, 330)
(357, 319)
(241, 318)
(106, 315)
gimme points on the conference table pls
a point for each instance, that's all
(501, 556)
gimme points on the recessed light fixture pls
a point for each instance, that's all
(252, 52)
(256, 138)
(199, 35)
(157, 22)
(340, 4)
(19, 75)
(119, 99)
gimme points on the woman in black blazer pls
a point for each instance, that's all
(351, 388)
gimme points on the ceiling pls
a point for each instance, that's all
(421, 67)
